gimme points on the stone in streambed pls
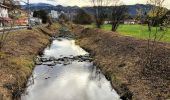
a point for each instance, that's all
(57, 62)
(66, 63)
(37, 61)
(49, 63)
(44, 59)
(52, 59)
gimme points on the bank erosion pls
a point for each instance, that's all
(124, 60)
(17, 58)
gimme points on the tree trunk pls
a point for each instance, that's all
(98, 25)
(114, 27)
(149, 27)
(161, 28)
(98, 22)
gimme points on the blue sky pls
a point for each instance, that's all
(87, 3)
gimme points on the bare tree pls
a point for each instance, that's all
(117, 14)
(4, 33)
(156, 14)
(7, 26)
(112, 10)
(156, 32)
(99, 13)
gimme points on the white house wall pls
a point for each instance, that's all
(54, 14)
(3, 12)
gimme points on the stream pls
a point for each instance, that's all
(66, 72)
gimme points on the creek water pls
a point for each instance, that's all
(68, 76)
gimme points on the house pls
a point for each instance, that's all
(21, 22)
(35, 21)
(107, 22)
(54, 14)
(4, 17)
(21, 17)
(130, 21)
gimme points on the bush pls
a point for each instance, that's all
(83, 18)
(63, 17)
(41, 14)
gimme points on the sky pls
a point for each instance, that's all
(87, 3)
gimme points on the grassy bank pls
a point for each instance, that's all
(137, 31)
(122, 60)
(17, 58)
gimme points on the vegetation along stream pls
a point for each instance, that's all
(66, 72)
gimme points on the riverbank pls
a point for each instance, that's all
(123, 61)
(17, 58)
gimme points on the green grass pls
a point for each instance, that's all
(137, 31)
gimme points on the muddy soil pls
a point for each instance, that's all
(125, 61)
(17, 58)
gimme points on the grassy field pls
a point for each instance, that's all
(137, 31)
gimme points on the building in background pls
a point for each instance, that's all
(54, 14)
(4, 17)
(130, 21)
(35, 21)
(20, 17)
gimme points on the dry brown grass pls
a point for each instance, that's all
(122, 61)
(17, 58)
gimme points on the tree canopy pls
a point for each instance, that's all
(83, 17)
(41, 14)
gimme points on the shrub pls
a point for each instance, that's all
(83, 18)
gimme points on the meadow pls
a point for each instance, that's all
(138, 31)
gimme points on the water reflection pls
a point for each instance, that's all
(76, 81)
(63, 47)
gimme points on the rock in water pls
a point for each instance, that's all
(52, 59)
(66, 62)
(37, 61)
(43, 59)
(50, 63)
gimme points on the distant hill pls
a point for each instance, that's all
(133, 8)
(48, 7)
(39, 6)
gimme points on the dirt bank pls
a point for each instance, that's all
(17, 58)
(123, 61)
